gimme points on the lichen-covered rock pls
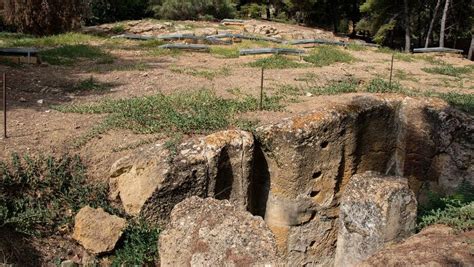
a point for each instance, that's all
(209, 232)
(374, 210)
(96, 230)
(151, 182)
(436, 245)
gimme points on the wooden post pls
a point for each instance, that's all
(391, 72)
(261, 90)
(5, 105)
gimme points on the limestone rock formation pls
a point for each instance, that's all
(311, 157)
(296, 171)
(96, 230)
(436, 245)
(209, 232)
(374, 210)
(151, 182)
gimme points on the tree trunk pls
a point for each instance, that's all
(268, 10)
(407, 27)
(471, 50)
(443, 24)
(432, 23)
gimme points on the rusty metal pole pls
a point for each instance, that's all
(391, 72)
(5, 105)
(261, 91)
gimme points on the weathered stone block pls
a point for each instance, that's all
(209, 232)
(96, 230)
(375, 210)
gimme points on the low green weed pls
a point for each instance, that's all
(21, 40)
(139, 246)
(190, 112)
(455, 210)
(327, 55)
(39, 196)
(449, 70)
(69, 54)
(276, 62)
(336, 87)
(209, 74)
(379, 85)
(223, 52)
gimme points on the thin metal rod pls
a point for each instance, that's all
(261, 90)
(5, 105)
(391, 72)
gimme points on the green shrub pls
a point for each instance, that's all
(456, 210)
(276, 62)
(103, 11)
(40, 195)
(139, 247)
(196, 9)
(118, 29)
(327, 55)
(253, 10)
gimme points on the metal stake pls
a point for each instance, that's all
(391, 72)
(261, 91)
(5, 105)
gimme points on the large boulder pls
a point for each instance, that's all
(311, 157)
(152, 181)
(96, 230)
(436, 245)
(209, 232)
(374, 210)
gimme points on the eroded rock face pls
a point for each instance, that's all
(96, 230)
(296, 171)
(209, 232)
(151, 182)
(374, 210)
(436, 245)
(312, 157)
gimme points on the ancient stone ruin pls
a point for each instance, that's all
(304, 174)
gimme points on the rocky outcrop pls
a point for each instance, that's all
(374, 210)
(209, 232)
(312, 157)
(436, 245)
(96, 230)
(151, 182)
(297, 170)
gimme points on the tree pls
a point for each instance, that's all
(471, 49)
(407, 26)
(443, 24)
(438, 3)
(44, 17)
